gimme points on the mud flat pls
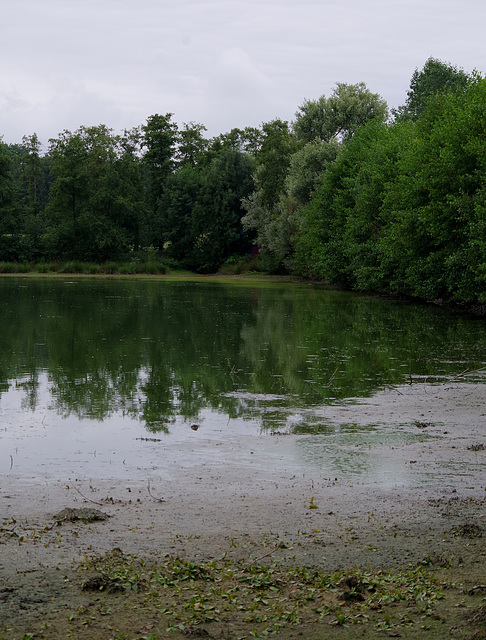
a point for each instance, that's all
(413, 514)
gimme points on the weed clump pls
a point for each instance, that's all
(85, 515)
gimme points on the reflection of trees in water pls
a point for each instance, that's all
(158, 350)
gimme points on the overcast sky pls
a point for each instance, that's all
(222, 63)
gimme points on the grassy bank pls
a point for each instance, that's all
(136, 266)
(86, 268)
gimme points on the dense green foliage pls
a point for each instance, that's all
(154, 194)
(403, 207)
(343, 193)
(425, 84)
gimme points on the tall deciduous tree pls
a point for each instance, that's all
(290, 167)
(8, 210)
(191, 144)
(435, 77)
(307, 168)
(93, 198)
(216, 223)
(248, 140)
(68, 157)
(200, 211)
(131, 198)
(340, 115)
(32, 172)
(175, 215)
(439, 199)
(159, 141)
(35, 185)
(404, 206)
(273, 161)
(271, 224)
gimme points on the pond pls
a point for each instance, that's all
(109, 377)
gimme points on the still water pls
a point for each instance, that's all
(97, 373)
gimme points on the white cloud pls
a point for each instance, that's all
(223, 63)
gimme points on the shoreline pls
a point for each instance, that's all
(205, 512)
(476, 309)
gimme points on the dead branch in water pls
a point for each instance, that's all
(466, 372)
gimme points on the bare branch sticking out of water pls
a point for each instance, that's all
(331, 379)
(233, 371)
(466, 372)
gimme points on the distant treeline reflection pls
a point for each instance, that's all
(156, 350)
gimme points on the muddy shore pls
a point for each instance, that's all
(422, 500)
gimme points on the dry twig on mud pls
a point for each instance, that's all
(279, 546)
(83, 496)
(152, 495)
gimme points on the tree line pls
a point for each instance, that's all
(347, 192)
(97, 196)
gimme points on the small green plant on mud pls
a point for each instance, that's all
(266, 597)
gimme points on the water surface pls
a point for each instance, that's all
(98, 374)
